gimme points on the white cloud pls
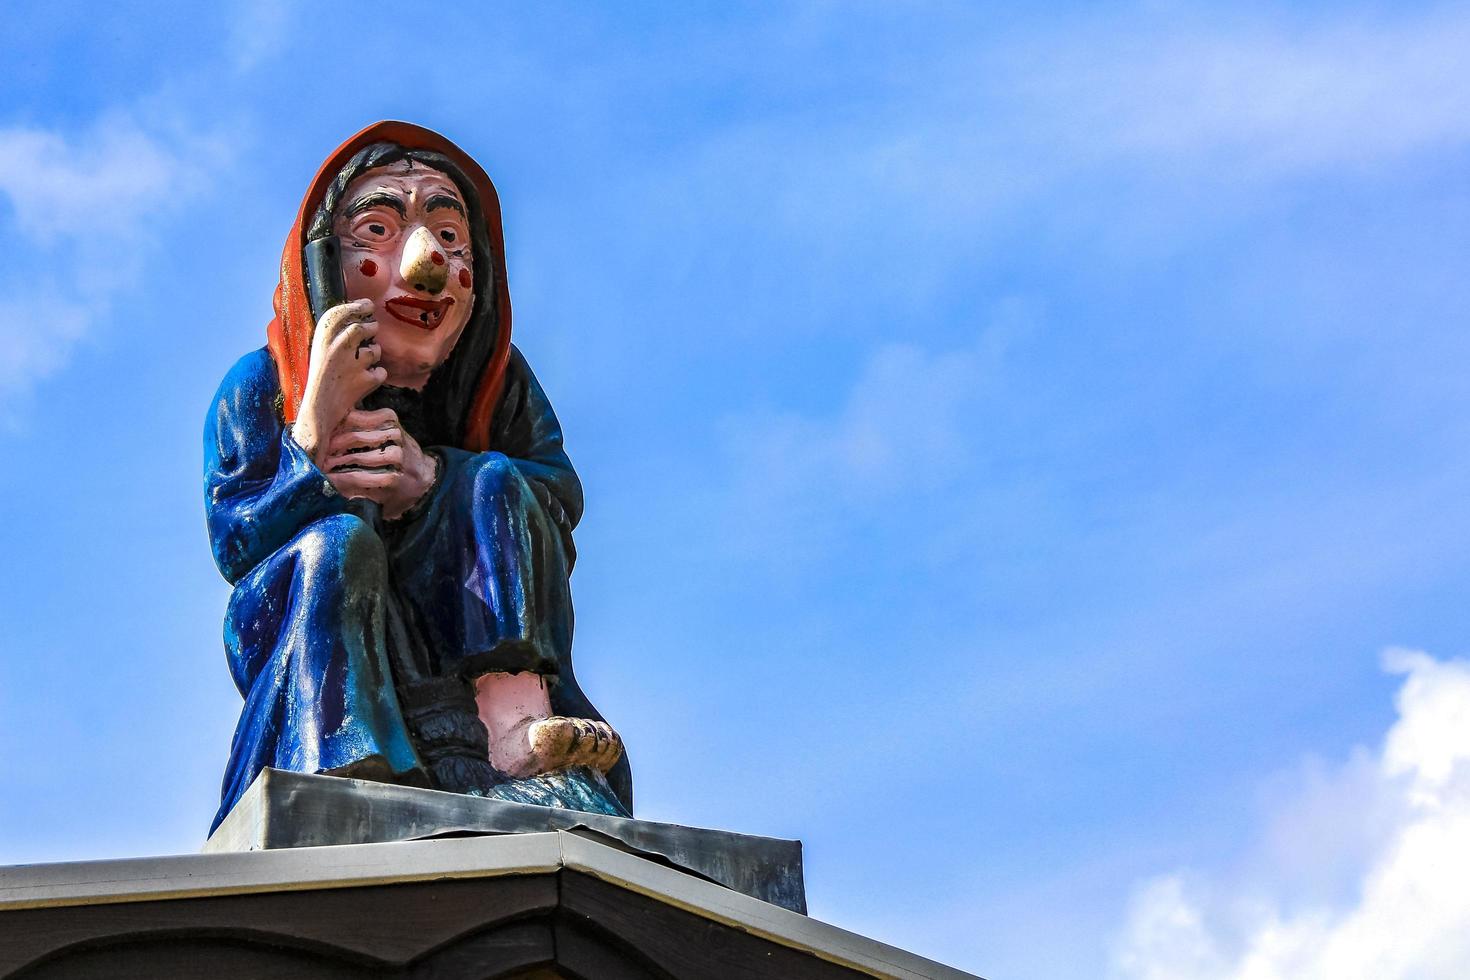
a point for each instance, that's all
(81, 215)
(1405, 819)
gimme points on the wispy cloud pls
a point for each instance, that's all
(1268, 96)
(1261, 95)
(84, 213)
(1402, 819)
(1134, 133)
(904, 427)
(259, 31)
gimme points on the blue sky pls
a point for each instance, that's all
(1011, 435)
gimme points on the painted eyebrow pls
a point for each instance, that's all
(377, 199)
(444, 201)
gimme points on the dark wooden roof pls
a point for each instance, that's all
(526, 906)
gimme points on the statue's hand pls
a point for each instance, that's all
(344, 369)
(370, 455)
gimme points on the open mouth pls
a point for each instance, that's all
(426, 314)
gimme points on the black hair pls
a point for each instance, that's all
(443, 410)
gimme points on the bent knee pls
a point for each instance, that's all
(341, 543)
(494, 473)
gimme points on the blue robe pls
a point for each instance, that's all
(335, 610)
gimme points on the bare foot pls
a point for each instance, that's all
(526, 739)
(533, 746)
(559, 742)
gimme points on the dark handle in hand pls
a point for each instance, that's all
(325, 287)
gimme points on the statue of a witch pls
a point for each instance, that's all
(387, 491)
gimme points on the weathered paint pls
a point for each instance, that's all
(360, 617)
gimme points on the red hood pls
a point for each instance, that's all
(289, 334)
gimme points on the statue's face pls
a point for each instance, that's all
(406, 246)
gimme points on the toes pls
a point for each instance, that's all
(602, 749)
(560, 742)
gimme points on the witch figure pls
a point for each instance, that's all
(387, 492)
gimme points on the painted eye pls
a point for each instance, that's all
(448, 236)
(373, 229)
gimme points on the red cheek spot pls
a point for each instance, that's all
(437, 257)
(464, 278)
(368, 267)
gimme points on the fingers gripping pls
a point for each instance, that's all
(347, 440)
(384, 457)
(340, 317)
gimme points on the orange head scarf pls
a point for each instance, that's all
(289, 334)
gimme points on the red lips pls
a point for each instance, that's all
(426, 314)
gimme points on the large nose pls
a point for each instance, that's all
(424, 266)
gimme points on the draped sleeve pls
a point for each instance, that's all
(525, 429)
(260, 487)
